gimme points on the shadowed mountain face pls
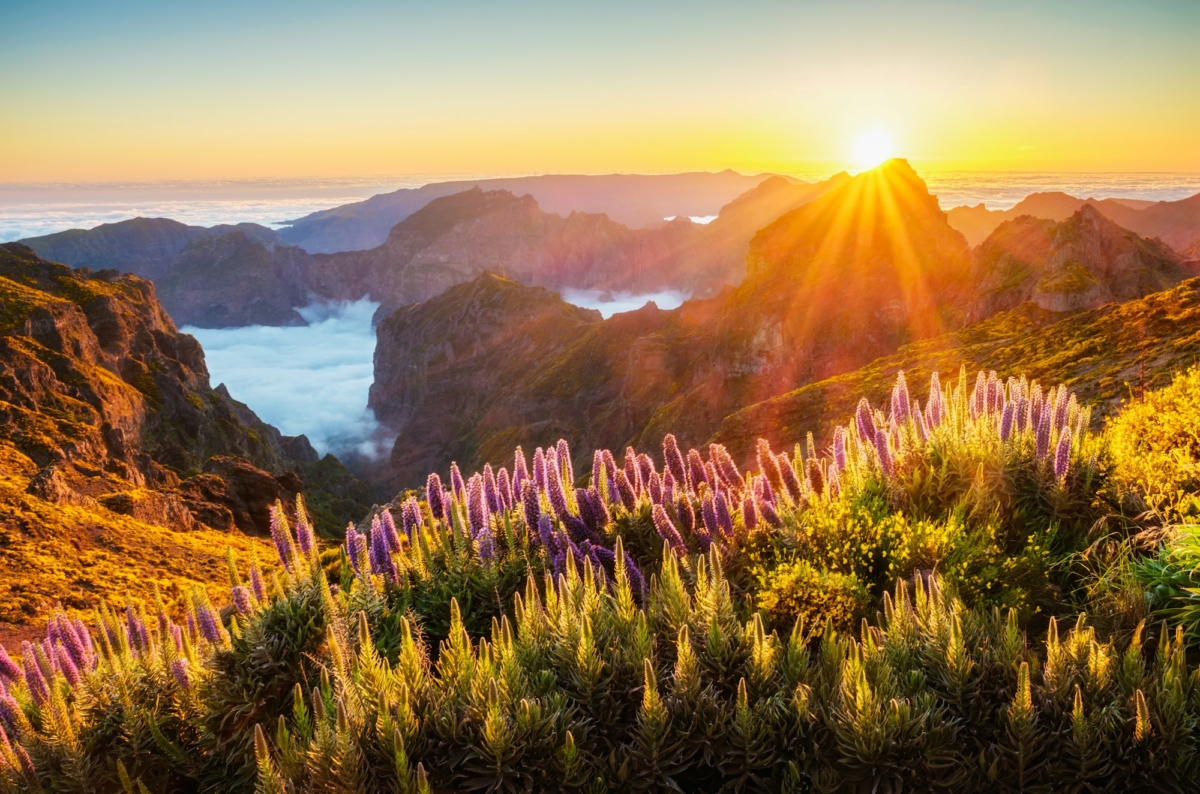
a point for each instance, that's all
(854, 274)
(145, 247)
(1081, 263)
(1177, 223)
(632, 200)
(109, 407)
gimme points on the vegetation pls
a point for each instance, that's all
(936, 601)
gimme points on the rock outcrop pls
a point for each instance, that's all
(1177, 223)
(1083, 262)
(112, 406)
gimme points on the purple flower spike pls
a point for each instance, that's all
(504, 488)
(767, 464)
(177, 637)
(457, 486)
(539, 468)
(545, 530)
(865, 420)
(9, 668)
(708, 514)
(434, 496)
(381, 555)
(788, 475)
(816, 476)
(839, 448)
(242, 601)
(610, 466)
(768, 513)
(922, 429)
(705, 539)
(10, 713)
(1042, 442)
(66, 665)
(725, 465)
(257, 586)
(637, 582)
(305, 538)
(71, 641)
(520, 472)
(673, 459)
(633, 472)
(724, 517)
(625, 491)
(356, 547)
(1062, 455)
(687, 516)
(410, 518)
(885, 453)
(206, 621)
(749, 512)
(645, 467)
(666, 530)
(179, 669)
(900, 400)
(1006, 420)
(491, 492)
(696, 471)
(477, 508)
(655, 488)
(668, 483)
(282, 537)
(484, 546)
(554, 490)
(529, 502)
(387, 526)
(34, 679)
(564, 460)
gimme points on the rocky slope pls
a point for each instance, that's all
(1177, 223)
(1081, 263)
(110, 409)
(633, 200)
(145, 247)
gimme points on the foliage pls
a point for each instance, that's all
(853, 619)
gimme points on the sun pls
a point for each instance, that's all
(872, 148)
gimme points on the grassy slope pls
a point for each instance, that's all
(1104, 354)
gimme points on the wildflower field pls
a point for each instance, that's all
(973, 588)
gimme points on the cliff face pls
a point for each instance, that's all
(1083, 262)
(851, 276)
(111, 407)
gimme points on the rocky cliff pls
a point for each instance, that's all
(110, 407)
(1081, 263)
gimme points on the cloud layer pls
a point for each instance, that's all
(311, 380)
(612, 303)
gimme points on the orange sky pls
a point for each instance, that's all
(104, 91)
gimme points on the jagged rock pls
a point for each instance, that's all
(51, 485)
(154, 507)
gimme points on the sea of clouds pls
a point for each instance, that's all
(610, 303)
(310, 380)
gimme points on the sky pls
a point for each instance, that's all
(133, 91)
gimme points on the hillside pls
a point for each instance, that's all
(632, 200)
(1177, 223)
(1081, 263)
(108, 423)
(145, 247)
(1105, 354)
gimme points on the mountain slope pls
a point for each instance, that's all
(1177, 223)
(145, 247)
(1104, 354)
(1083, 262)
(633, 200)
(112, 409)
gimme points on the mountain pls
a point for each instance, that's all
(241, 278)
(1105, 354)
(235, 280)
(1083, 262)
(870, 265)
(1177, 223)
(633, 200)
(108, 408)
(145, 247)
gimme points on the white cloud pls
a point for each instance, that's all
(312, 380)
(612, 303)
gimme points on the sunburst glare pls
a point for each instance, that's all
(872, 148)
